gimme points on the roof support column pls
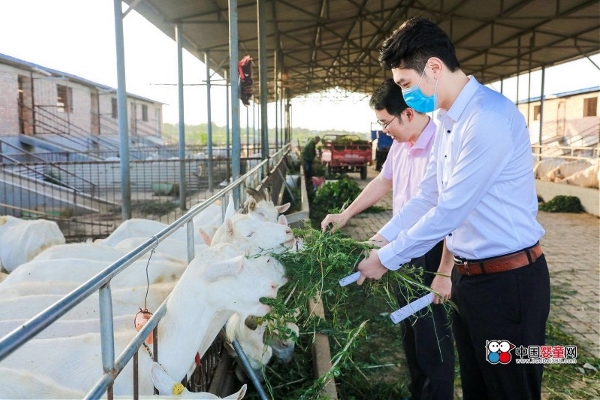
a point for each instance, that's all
(542, 95)
(254, 142)
(262, 76)
(228, 152)
(235, 101)
(276, 97)
(288, 118)
(122, 113)
(179, 37)
(209, 127)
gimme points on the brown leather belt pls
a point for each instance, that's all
(498, 264)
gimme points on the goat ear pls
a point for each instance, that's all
(229, 267)
(229, 227)
(230, 211)
(252, 192)
(283, 208)
(161, 380)
(282, 220)
(205, 236)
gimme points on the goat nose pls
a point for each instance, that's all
(273, 285)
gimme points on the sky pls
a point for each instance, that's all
(77, 37)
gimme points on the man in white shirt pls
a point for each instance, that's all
(426, 339)
(479, 195)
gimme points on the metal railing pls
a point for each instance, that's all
(85, 185)
(101, 282)
(569, 153)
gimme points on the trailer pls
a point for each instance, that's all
(346, 153)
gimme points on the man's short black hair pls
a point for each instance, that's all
(388, 97)
(413, 43)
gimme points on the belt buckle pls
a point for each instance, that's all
(464, 263)
(467, 267)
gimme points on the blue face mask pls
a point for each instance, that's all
(416, 100)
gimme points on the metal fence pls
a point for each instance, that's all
(569, 153)
(112, 365)
(84, 197)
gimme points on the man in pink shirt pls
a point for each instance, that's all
(427, 338)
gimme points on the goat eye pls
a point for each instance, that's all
(250, 234)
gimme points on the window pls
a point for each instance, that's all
(64, 98)
(590, 107)
(144, 113)
(115, 110)
(536, 113)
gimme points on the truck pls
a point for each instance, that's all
(346, 153)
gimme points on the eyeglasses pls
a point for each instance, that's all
(385, 125)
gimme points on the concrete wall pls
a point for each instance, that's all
(589, 197)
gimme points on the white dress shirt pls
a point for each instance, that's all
(478, 191)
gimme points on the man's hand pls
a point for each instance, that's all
(335, 220)
(371, 267)
(442, 285)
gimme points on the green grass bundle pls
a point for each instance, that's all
(315, 270)
(567, 204)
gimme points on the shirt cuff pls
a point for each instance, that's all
(389, 259)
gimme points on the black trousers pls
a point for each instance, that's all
(513, 306)
(427, 340)
(308, 173)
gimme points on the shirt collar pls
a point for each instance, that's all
(463, 98)
(424, 138)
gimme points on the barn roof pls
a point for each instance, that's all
(324, 44)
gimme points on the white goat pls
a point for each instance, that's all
(49, 389)
(125, 301)
(168, 246)
(260, 205)
(567, 169)
(283, 349)
(246, 228)
(22, 240)
(30, 287)
(541, 168)
(251, 340)
(85, 250)
(200, 304)
(80, 270)
(585, 178)
(69, 327)
(139, 227)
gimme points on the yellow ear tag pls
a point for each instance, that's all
(178, 388)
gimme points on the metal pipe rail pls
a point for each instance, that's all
(568, 152)
(92, 185)
(101, 282)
